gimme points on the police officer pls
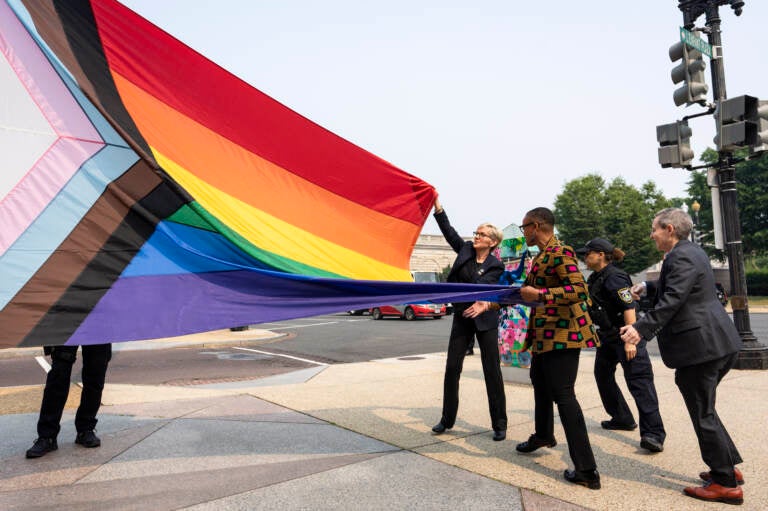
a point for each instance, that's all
(612, 308)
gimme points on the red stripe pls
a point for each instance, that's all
(200, 89)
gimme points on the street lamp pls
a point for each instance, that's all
(752, 354)
(695, 207)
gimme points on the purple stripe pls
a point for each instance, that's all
(152, 307)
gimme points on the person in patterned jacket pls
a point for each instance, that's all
(559, 327)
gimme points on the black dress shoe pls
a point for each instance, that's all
(534, 443)
(611, 424)
(42, 447)
(651, 444)
(588, 478)
(439, 428)
(87, 439)
(499, 435)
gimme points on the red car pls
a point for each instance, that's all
(410, 311)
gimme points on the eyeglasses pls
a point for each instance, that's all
(482, 235)
(522, 227)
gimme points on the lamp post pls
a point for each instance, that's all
(695, 207)
(752, 355)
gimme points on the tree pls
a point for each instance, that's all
(588, 208)
(444, 273)
(752, 196)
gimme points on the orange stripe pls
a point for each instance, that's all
(268, 187)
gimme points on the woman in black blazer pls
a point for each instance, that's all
(476, 265)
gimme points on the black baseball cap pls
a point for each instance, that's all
(596, 245)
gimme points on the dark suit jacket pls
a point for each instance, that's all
(689, 322)
(488, 273)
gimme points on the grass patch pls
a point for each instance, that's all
(758, 300)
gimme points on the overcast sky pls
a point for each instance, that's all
(495, 103)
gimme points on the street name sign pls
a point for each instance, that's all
(695, 42)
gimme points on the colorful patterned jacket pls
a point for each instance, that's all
(562, 321)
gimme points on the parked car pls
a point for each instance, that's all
(410, 311)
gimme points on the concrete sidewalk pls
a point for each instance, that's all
(357, 436)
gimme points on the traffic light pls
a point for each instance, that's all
(742, 122)
(675, 142)
(760, 118)
(690, 71)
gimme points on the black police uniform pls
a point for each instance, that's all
(609, 290)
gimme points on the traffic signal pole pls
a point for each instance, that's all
(752, 354)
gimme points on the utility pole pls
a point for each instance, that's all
(752, 355)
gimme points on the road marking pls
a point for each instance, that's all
(43, 363)
(304, 326)
(281, 355)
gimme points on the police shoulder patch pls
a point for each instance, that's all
(624, 295)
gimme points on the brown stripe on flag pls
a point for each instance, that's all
(69, 28)
(78, 251)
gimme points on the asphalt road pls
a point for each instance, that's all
(340, 338)
(328, 339)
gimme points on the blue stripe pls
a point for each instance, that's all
(175, 249)
(60, 217)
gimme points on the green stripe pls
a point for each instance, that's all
(187, 216)
(197, 216)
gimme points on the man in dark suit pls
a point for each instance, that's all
(697, 339)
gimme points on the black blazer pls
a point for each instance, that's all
(689, 322)
(488, 273)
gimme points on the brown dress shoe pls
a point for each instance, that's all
(714, 492)
(706, 476)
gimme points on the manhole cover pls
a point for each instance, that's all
(228, 355)
(411, 358)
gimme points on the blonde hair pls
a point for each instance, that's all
(495, 232)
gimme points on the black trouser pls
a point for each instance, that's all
(95, 360)
(698, 385)
(463, 331)
(638, 373)
(553, 374)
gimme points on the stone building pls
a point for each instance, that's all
(432, 253)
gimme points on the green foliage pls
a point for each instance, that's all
(752, 197)
(752, 193)
(589, 208)
(444, 273)
(758, 262)
(757, 282)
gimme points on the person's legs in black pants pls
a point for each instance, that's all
(698, 385)
(544, 415)
(638, 373)
(561, 368)
(488, 341)
(462, 333)
(607, 358)
(56, 391)
(95, 361)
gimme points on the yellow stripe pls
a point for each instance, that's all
(274, 235)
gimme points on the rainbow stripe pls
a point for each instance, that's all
(170, 197)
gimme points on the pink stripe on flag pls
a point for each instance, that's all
(41, 81)
(40, 186)
(78, 139)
